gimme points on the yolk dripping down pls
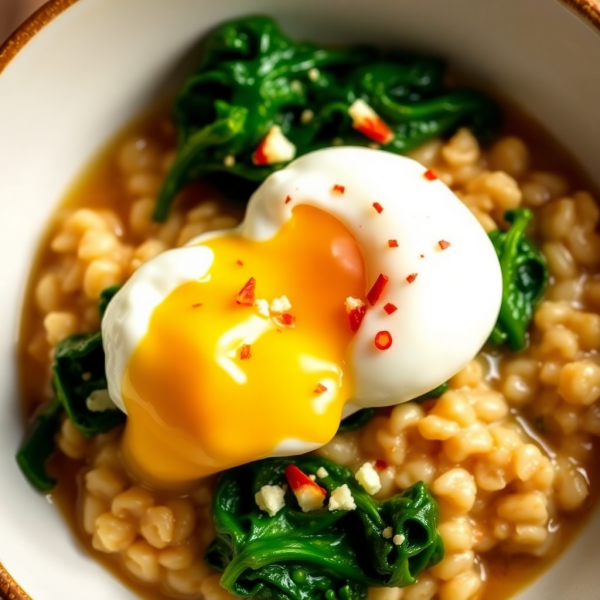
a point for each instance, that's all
(195, 406)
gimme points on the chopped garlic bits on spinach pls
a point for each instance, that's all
(252, 77)
(78, 371)
(320, 554)
(524, 279)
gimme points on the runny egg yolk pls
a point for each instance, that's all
(196, 404)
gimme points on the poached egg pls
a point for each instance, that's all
(357, 279)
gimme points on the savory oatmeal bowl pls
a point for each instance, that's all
(300, 319)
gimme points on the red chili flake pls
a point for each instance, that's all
(377, 289)
(380, 465)
(287, 319)
(320, 388)
(393, 243)
(383, 340)
(197, 305)
(298, 480)
(422, 255)
(239, 262)
(443, 244)
(338, 189)
(390, 308)
(411, 277)
(430, 175)
(260, 157)
(378, 207)
(246, 295)
(377, 130)
(355, 316)
(245, 352)
(369, 123)
(288, 199)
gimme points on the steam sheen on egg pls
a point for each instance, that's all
(356, 280)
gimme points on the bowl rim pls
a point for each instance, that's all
(587, 10)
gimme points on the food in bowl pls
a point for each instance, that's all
(475, 463)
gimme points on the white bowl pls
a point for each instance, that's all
(93, 64)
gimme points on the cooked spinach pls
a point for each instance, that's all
(105, 297)
(362, 417)
(357, 420)
(78, 370)
(524, 279)
(38, 446)
(252, 76)
(321, 554)
(440, 390)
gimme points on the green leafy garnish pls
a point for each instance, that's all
(524, 279)
(38, 446)
(362, 417)
(357, 420)
(320, 554)
(78, 371)
(105, 297)
(252, 76)
(440, 390)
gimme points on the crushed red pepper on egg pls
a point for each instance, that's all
(411, 277)
(355, 310)
(377, 289)
(246, 294)
(320, 388)
(430, 175)
(239, 262)
(390, 308)
(393, 243)
(288, 199)
(197, 305)
(245, 352)
(285, 320)
(443, 244)
(383, 340)
(338, 189)
(378, 207)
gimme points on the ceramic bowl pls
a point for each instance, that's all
(73, 75)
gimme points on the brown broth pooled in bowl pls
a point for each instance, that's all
(509, 451)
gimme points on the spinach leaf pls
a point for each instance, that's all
(105, 297)
(321, 554)
(357, 420)
(252, 76)
(38, 446)
(440, 390)
(78, 371)
(524, 279)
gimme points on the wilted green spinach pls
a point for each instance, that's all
(78, 370)
(321, 554)
(252, 76)
(357, 420)
(362, 417)
(524, 279)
